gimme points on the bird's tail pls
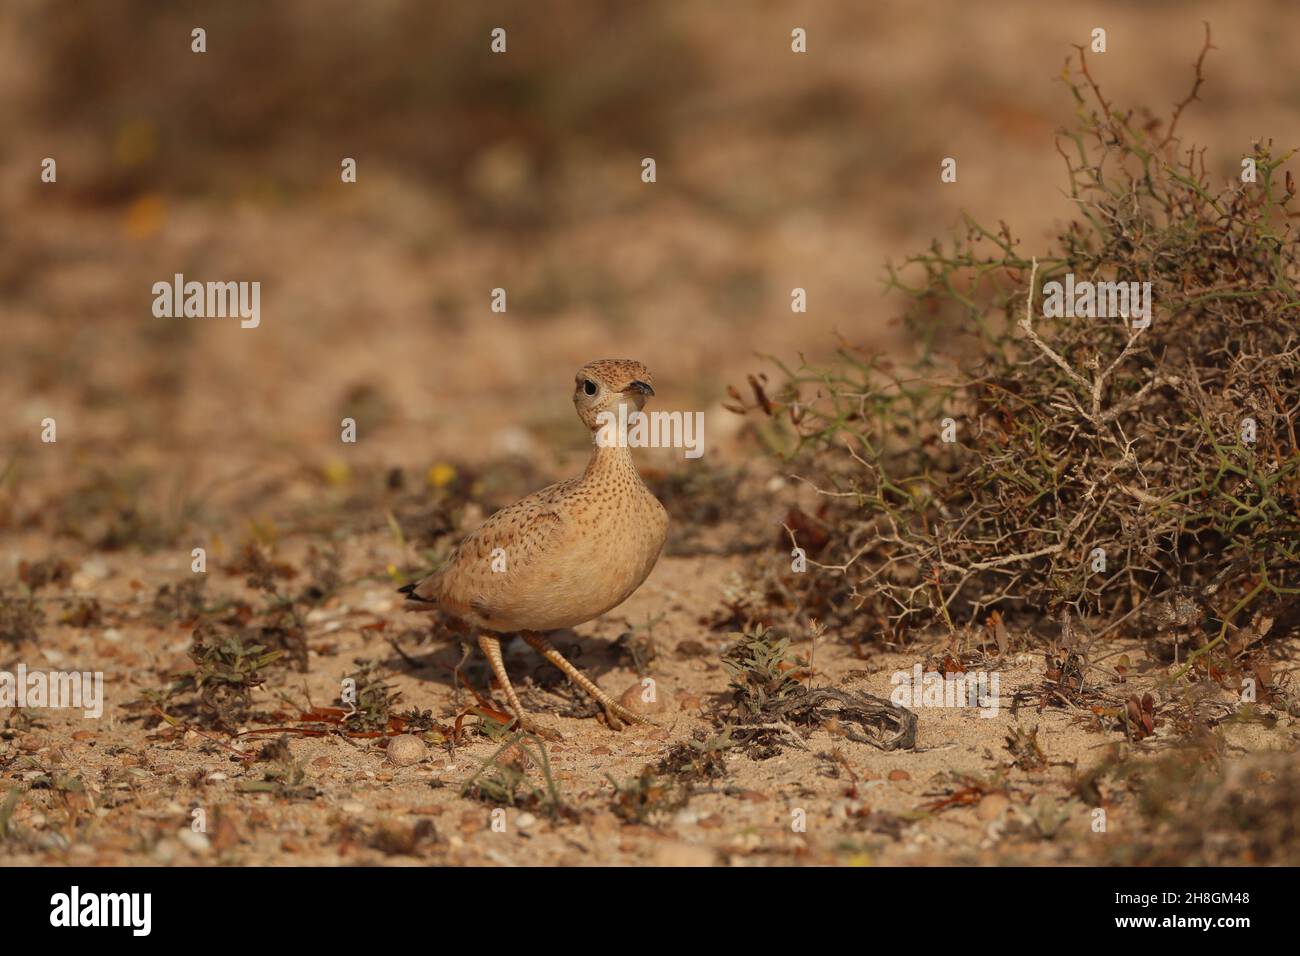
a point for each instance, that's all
(416, 601)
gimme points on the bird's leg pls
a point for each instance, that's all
(491, 648)
(613, 709)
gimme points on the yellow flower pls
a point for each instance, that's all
(337, 472)
(144, 217)
(441, 474)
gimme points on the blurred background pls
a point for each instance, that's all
(519, 171)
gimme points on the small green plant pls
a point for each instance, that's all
(227, 669)
(762, 672)
(218, 691)
(285, 776)
(704, 757)
(1026, 752)
(375, 698)
(649, 798)
(502, 779)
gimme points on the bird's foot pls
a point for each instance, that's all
(617, 716)
(530, 725)
(615, 713)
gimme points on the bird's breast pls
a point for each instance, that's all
(605, 552)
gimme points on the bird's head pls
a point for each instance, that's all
(603, 385)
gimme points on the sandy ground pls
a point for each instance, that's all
(827, 800)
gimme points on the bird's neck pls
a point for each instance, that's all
(610, 461)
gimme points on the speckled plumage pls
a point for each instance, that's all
(571, 551)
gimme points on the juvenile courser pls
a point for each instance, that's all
(563, 555)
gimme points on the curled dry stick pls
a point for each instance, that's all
(885, 725)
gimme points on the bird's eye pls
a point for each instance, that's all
(589, 387)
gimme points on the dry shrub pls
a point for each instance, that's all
(1072, 434)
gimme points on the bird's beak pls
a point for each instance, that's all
(641, 387)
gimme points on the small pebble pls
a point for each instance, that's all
(193, 841)
(683, 854)
(405, 749)
(634, 698)
(165, 850)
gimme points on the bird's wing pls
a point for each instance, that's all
(513, 538)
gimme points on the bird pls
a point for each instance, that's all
(563, 555)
